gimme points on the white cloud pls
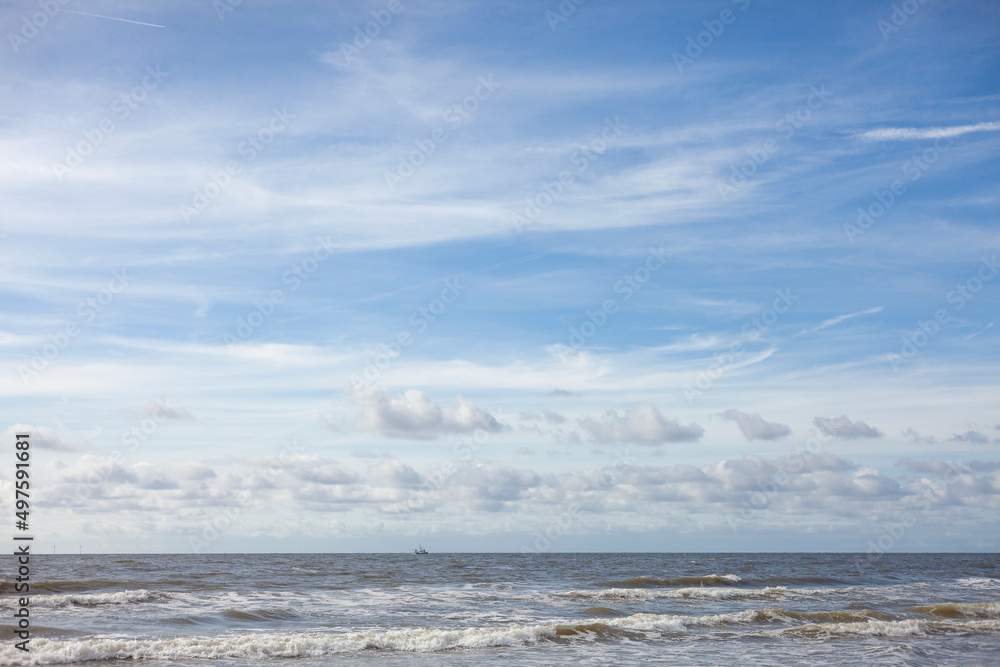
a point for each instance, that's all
(931, 467)
(917, 438)
(755, 428)
(162, 410)
(972, 436)
(904, 133)
(642, 424)
(797, 490)
(44, 437)
(973, 335)
(842, 427)
(414, 416)
(840, 318)
(547, 416)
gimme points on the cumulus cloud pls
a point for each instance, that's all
(974, 437)
(642, 424)
(414, 416)
(932, 467)
(798, 487)
(983, 466)
(919, 439)
(43, 437)
(754, 427)
(393, 473)
(842, 427)
(553, 417)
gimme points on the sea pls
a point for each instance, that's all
(513, 609)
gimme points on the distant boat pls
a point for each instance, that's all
(420, 551)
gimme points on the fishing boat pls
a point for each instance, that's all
(420, 551)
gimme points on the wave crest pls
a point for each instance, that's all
(654, 582)
(264, 646)
(693, 593)
(90, 599)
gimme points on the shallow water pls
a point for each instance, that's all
(466, 609)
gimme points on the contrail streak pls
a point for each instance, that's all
(154, 25)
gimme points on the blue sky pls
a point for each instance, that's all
(670, 276)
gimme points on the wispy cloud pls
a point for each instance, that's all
(840, 318)
(706, 319)
(113, 18)
(906, 133)
(973, 335)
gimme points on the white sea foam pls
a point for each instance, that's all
(269, 645)
(979, 582)
(262, 646)
(90, 599)
(694, 592)
(901, 628)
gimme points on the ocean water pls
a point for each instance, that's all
(521, 609)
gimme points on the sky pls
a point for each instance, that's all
(502, 276)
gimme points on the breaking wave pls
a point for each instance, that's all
(959, 610)
(903, 628)
(89, 599)
(264, 646)
(653, 582)
(692, 593)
